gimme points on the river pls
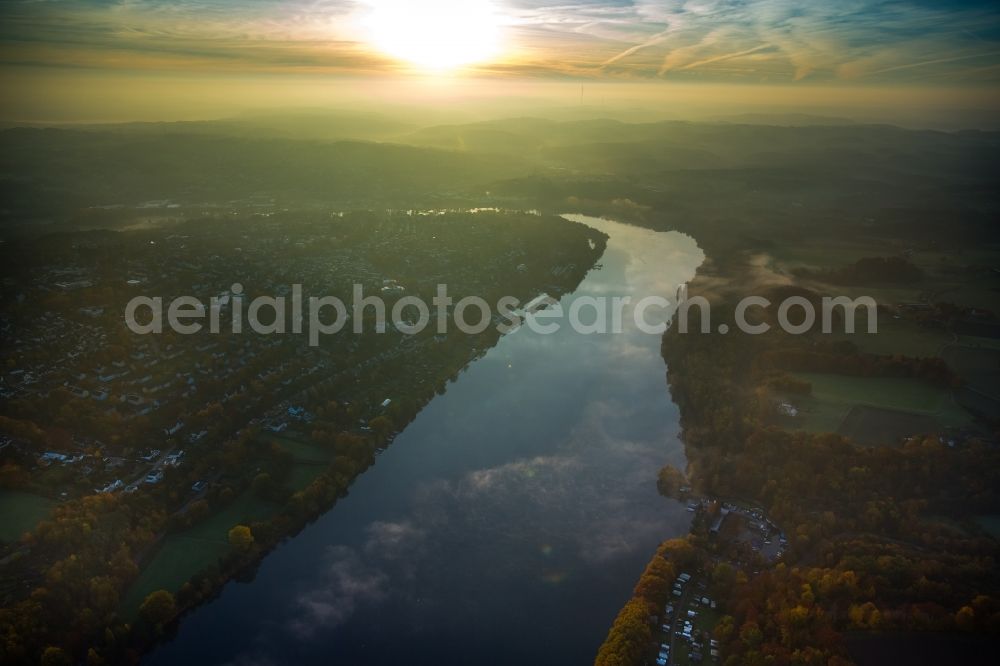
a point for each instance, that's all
(506, 525)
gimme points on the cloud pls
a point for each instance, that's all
(793, 39)
(353, 578)
(348, 583)
(393, 540)
(583, 505)
(883, 40)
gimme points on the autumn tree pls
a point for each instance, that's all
(382, 425)
(751, 634)
(670, 481)
(54, 656)
(724, 629)
(159, 607)
(263, 485)
(629, 637)
(241, 538)
(965, 618)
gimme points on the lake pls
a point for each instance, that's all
(506, 525)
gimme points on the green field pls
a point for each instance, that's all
(302, 474)
(833, 397)
(895, 336)
(186, 553)
(302, 450)
(827, 253)
(875, 426)
(948, 276)
(245, 509)
(311, 459)
(21, 512)
(177, 560)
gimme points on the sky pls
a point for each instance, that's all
(927, 44)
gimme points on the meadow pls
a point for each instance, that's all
(21, 512)
(184, 554)
(892, 406)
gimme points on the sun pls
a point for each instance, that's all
(435, 34)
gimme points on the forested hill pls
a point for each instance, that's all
(693, 169)
(49, 172)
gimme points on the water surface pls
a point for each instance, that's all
(506, 525)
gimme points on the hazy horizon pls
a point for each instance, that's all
(924, 64)
(119, 98)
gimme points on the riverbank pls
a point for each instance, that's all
(848, 509)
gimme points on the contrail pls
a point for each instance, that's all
(652, 41)
(937, 61)
(726, 56)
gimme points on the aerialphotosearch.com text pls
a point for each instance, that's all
(318, 316)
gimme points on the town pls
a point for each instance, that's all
(204, 433)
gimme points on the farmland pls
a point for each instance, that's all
(891, 407)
